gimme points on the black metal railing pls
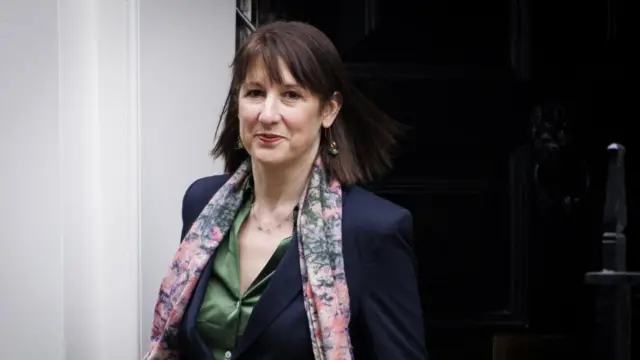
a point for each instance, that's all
(245, 20)
(614, 281)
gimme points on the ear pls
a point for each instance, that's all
(331, 110)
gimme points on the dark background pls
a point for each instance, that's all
(494, 90)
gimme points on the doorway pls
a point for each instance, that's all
(511, 105)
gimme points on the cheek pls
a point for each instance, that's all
(246, 111)
(248, 117)
(303, 129)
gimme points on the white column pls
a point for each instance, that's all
(30, 204)
(99, 137)
(186, 48)
(107, 112)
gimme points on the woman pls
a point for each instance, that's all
(286, 258)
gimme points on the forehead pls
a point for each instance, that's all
(262, 72)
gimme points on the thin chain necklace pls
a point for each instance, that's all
(265, 229)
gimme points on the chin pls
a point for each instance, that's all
(269, 158)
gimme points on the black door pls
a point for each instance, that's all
(511, 106)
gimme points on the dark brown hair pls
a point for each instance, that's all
(363, 134)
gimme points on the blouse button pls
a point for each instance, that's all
(227, 355)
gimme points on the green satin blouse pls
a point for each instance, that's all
(224, 312)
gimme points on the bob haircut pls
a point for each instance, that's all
(364, 135)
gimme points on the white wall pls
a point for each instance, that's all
(185, 53)
(30, 203)
(107, 112)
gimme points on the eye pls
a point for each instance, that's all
(291, 95)
(254, 93)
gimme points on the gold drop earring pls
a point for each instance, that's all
(333, 147)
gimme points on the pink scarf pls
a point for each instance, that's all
(319, 234)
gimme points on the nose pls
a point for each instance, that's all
(270, 110)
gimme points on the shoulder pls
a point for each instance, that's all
(206, 186)
(364, 212)
(199, 193)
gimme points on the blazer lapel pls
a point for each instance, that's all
(284, 285)
(190, 316)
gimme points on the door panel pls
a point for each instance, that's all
(466, 186)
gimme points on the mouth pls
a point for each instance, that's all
(268, 138)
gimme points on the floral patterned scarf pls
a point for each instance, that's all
(319, 234)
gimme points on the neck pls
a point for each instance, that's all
(276, 187)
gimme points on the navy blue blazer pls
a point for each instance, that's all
(386, 315)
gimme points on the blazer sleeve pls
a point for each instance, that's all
(187, 217)
(391, 306)
(196, 197)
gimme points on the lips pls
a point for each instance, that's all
(268, 138)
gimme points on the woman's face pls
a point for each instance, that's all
(280, 123)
